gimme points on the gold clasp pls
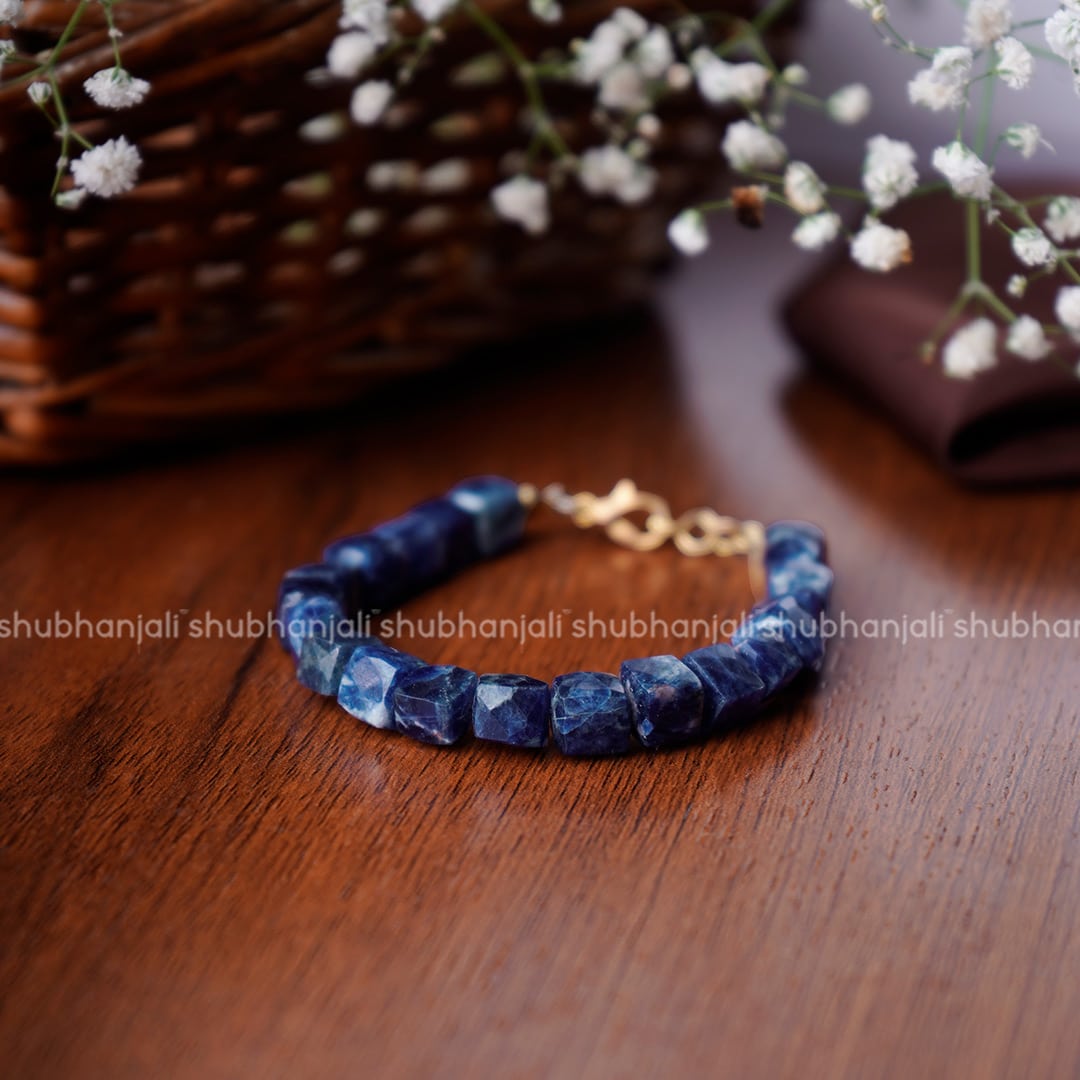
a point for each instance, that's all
(695, 533)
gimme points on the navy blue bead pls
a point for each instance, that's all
(786, 539)
(666, 700)
(785, 620)
(497, 512)
(322, 662)
(590, 714)
(310, 615)
(776, 663)
(434, 704)
(317, 579)
(512, 709)
(733, 690)
(368, 682)
(800, 574)
(377, 574)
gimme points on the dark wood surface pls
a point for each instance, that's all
(205, 871)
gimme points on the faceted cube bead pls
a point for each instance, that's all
(305, 582)
(785, 620)
(495, 509)
(377, 574)
(666, 700)
(786, 539)
(307, 617)
(800, 574)
(733, 690)
(434, 703)
(590, 714)
(368, 682)
(775, 663)
(512, 709)
(322, 662)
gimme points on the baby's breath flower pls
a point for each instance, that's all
(350, 53)
(1062, 219)
(688, 233)
(548, 11)
(880, 247)
(369, 101)
(610, 170)
(973, 348)
(968, 175)
(39, 92)
(986, 21)
(1026, 138)
(943, 85)
(1067, 309)
(623, 89)
(115, 88)
(1033, 248)
(109, 169)
(849, 104)
(795, 75)
(524, 202)
(11, 11)
(748, 147)
(602, 51)
(1027, 339)
(1062, 31)
(433, 10)
(679, 77)
(71, 199)
(817, 231)
(1016, 286)
(889, 172)
(654, 54)
(721, 83)
(371, 16)
(803, 188)
(1015, 64)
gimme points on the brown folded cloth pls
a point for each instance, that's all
(1018, 423)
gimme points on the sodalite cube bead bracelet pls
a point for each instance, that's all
(662, 700)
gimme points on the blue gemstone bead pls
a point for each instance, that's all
(512, 709)
(316, 579)
(368, 682)
(377, 574)
(775, 663)
(434, 704)
(310, 616)
(590, 714)
(800, 574)
(786, 539)
(497, 513)
(666, 700)
(733, 690)
(322, 662)
(785, 620)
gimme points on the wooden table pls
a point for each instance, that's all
(207, 872)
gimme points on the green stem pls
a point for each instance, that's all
(973, 239)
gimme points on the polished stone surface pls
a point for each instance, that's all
(775, 663)
(785, 619)
(496, 511)
(322, 662)
(434, 703)
(666, 700)
(302, 616)
(512, 709)
(590, 714)
(368, 682)
(801, 573)
(375, 572)
(787, 539)
(317, 579)
(733, 690)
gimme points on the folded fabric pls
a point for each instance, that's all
(1017, 423)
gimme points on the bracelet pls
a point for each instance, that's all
(664, 700)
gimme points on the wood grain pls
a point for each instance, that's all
(204, 871)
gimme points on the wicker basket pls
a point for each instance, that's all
(270, 261)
